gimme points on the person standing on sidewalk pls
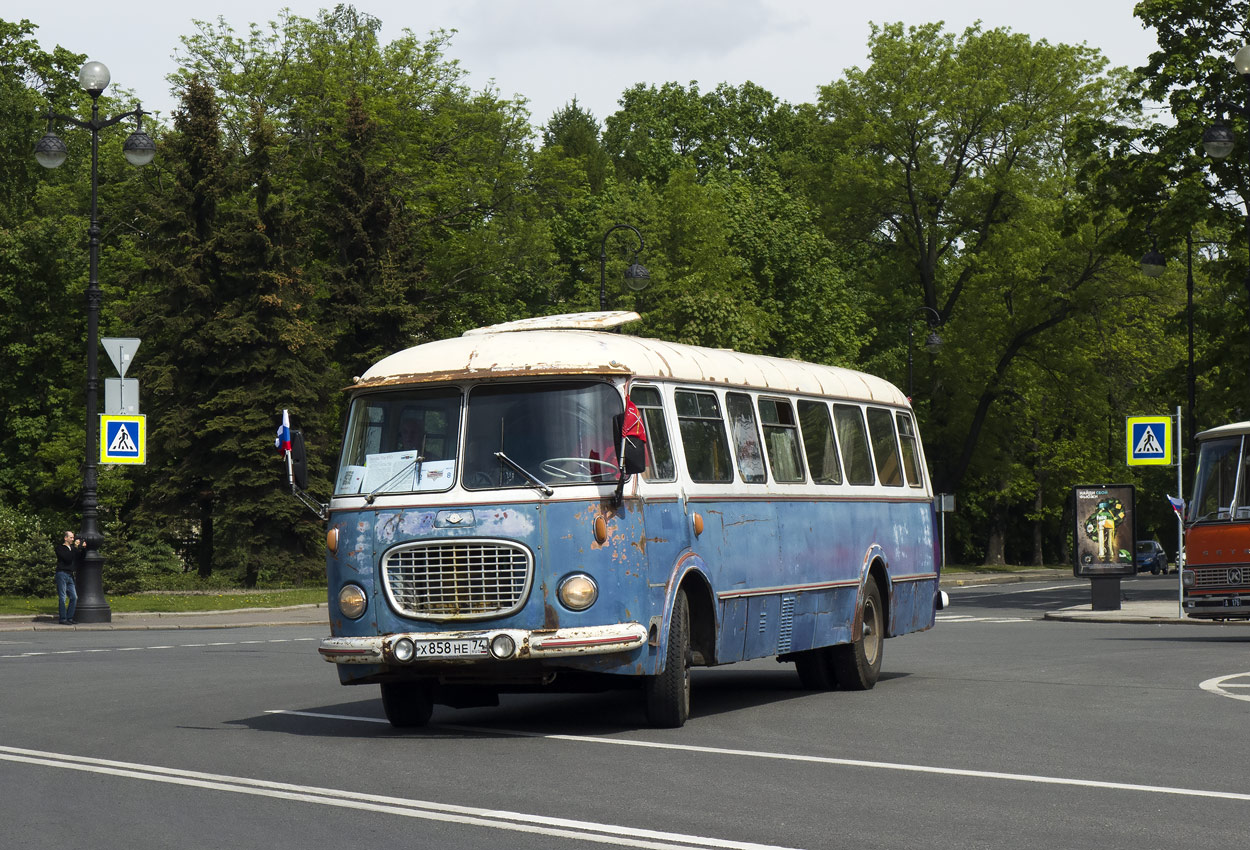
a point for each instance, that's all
(67, 555)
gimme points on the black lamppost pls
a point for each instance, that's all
(51, 152)
(1152, 264)
(636, 276)
(931, 344)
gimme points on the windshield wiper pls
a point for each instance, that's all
(529, 476)
(369, 497)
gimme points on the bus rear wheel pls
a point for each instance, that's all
(667, 694)
(407, 704)
(857, 665)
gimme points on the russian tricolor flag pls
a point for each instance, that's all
(283, 443)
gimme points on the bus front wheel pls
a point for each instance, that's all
(668, 693)
(407, 704)
(857, 665)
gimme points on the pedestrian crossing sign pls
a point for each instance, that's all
(1149, 440)
(123, 439)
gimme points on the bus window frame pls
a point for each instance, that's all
(741, 441)
(660, 410)
(791, 430)
(823, 404)
(723, 433)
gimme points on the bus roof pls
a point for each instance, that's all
(1231, 430)
(559, 345)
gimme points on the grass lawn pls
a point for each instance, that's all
(223, 600)
(1000, 568)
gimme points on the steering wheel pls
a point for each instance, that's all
(481, 480)
(574, 467)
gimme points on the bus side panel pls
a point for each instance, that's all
(913, 567)
(732, 640)
(763, 625)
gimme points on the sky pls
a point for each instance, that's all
(552, 51)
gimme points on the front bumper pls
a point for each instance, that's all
(528, 644)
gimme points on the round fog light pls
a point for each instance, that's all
(502, 646)
(352, 601)
(578, 592)
(403, 650)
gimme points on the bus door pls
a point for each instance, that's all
(668, 530)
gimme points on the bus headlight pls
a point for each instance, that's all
(1187, 578)
(578, 592)
(352, 601)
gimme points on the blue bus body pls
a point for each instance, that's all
(743, 538)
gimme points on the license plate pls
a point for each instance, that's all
(461, 648)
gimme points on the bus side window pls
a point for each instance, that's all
(853, 438)
(746, 438)
(781, 436)
(911, 450)
(703, 437)
(885, 447)
(660, 465)
(818, 445)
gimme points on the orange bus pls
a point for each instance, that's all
(1216, 579)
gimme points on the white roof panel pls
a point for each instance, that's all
(1230, 430)
(499, 352)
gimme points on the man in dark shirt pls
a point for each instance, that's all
(66, 565)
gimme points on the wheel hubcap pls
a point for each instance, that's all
(872, 631)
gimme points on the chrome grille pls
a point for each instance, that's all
(1221, 576)
(457, 579)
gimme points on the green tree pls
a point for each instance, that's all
(955, 162)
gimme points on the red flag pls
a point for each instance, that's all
(633, 426)
(633, 440)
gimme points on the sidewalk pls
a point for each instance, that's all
(296, 615)
(1130, 611)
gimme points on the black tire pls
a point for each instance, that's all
(667, 693)
(1154, 571)
(815, 669)
(407, 704)
(857, 666)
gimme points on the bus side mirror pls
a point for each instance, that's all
(633, 440)
(299, 460)
(634, 459)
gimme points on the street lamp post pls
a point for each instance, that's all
(50, 151)
(1152, 265)
(931, 344)
(636, 276)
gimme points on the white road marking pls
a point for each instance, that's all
(34, 654)
(955, 618)
(841, 762)
(1220, 685)
(600, 833)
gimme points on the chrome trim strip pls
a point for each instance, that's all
(531, 644)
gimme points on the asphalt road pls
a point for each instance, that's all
(996, 729)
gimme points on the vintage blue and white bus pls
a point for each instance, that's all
(485, 535)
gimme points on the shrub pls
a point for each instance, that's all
(27, 556)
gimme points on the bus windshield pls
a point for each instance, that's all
(559, 432)
(1215, 483)
(401, 442)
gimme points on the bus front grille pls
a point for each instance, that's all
(461, 579)
(1221, 576)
